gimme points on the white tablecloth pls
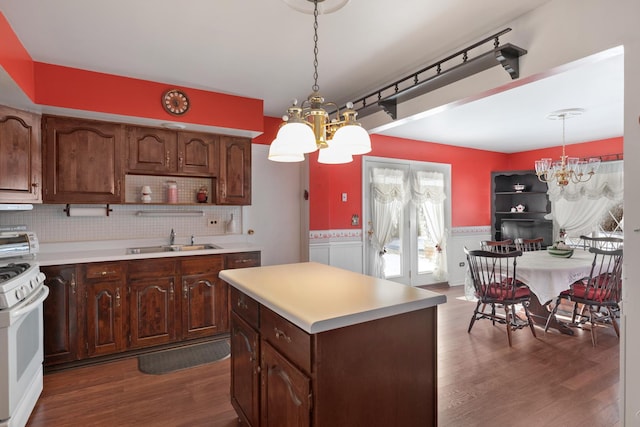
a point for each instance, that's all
(547, 275)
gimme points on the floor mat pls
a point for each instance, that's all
(162, 362)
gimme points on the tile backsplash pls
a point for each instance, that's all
(51, 223)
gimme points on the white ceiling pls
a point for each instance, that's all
(264, 49)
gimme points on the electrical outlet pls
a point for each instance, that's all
(212, 221)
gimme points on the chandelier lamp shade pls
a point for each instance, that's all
(308, 127)
(567, 169)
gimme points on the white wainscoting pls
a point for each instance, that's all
(338, 248)
(457, 260)
(344, 250)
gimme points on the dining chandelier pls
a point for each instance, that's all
(308, 127)
(567, 169)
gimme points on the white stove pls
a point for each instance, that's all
(22, 292)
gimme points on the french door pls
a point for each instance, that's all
(405, 238)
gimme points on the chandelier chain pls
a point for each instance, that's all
(315, 86)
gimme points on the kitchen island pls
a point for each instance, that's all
(314, 345)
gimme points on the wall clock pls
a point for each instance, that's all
(175, 102)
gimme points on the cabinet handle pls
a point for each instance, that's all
(168, 159)
(185, 290)
(180, 161)
(171, 292)
(242, 304)
(105, 273)
(118, 188)
(34, 188)
(281, 334)
(73, 283)
(117, 297)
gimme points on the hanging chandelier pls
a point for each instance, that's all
(308, 127)
(567, 169)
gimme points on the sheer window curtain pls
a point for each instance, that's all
(578, 208)
(427, 193)
(388, 198)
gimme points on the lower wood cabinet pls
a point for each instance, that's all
(61, 335)
(99, 309)
(153, 304)
(376, 373)
(105, 302)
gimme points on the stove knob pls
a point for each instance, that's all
(19, 294)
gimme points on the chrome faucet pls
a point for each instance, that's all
(192, 240)
(172, 237)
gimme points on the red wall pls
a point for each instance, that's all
(470, 177)
(15, 59)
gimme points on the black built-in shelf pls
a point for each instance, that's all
(529, 223)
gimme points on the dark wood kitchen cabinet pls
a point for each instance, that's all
(104, 308)
(234, 180)
(153, 302)
(282, 376)
(166, 152)
(62, 338)
(20, 157)
(105, 302)
(82, 161)
(245, 363)
(204, 297)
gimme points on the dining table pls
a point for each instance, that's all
(547, 276)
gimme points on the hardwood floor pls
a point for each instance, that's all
(555, 380)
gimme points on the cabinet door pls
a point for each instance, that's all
(245, 367)
(204, 297)
(203, 306)
(197, 153)
(105, 332)
(82, 161)
(234, 180)
(20, 156)
(152, 311)
(61, 338)
(286, 391)
(151, 150)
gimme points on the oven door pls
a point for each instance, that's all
(21, 357)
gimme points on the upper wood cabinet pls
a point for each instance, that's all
(234, 180)
(82, 161)
(161, 151)
(20, 156)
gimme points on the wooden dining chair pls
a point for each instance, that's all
(494, 281)
(606, 243)
(598, 294)
(499, 246)
(527, 245)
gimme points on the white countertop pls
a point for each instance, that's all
(116, 250)
(317, 297)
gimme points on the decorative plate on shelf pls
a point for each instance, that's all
(560, 253)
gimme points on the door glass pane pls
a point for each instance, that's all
(393, 254)
(426, 245)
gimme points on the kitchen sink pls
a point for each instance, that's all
(171, 248)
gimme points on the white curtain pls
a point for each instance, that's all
(428, 195)
(578, 208)
(388, 196)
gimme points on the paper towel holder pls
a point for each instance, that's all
(68, 210)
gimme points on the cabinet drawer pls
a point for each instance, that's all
(245, 306)
(103, 270)
(243, 260)
(162, 267)
(291, 341)
(202, 265)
